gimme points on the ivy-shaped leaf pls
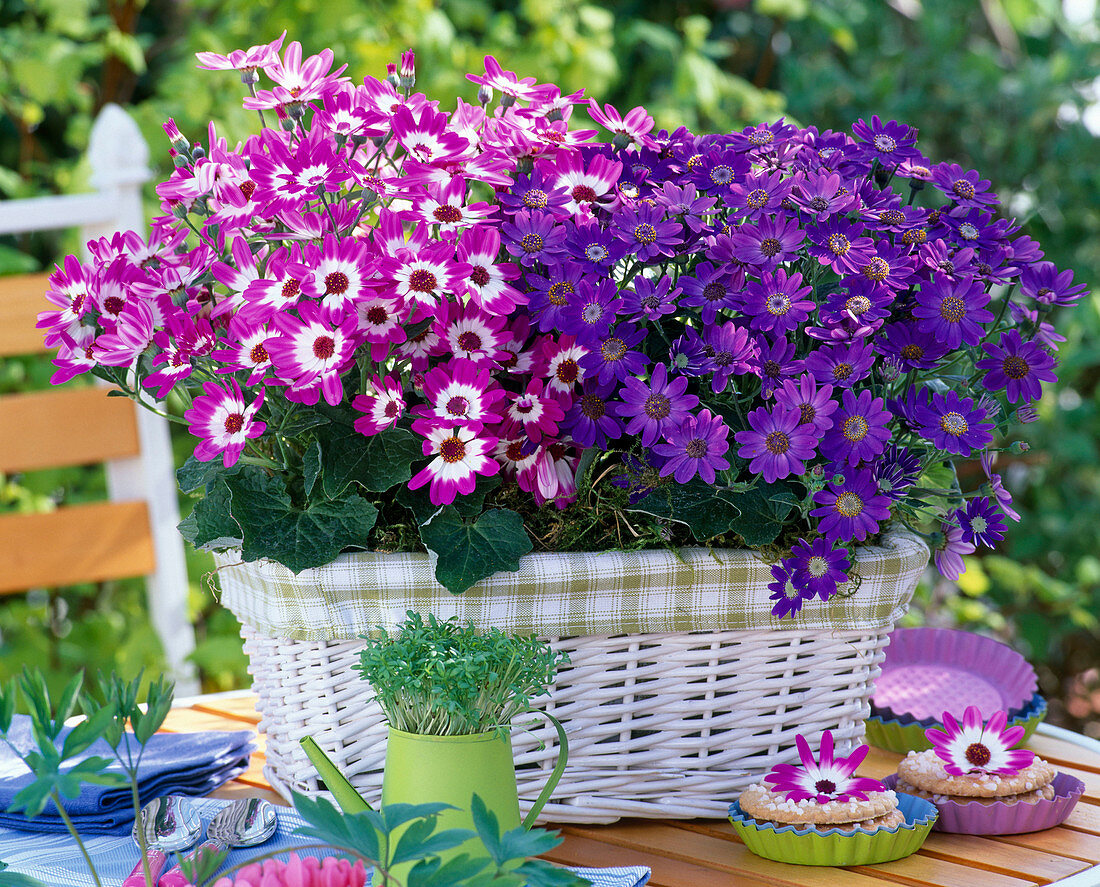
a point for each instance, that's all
(376, 463)
(707, 510)
(468, 551)
(194, 476)
(311, 466)
(298, 538)
(210, 525)
(763, 509)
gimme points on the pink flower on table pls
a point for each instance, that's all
(223, 422)
(488, 283)
(309, 354)
(824, 780)
(242, 59)
(460, 456)
(630, 130)
(307, 872)
(977, 746)
(383, 406)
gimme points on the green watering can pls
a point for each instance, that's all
(447, 769)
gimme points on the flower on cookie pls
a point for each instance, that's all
(825, 779)
(977, 746)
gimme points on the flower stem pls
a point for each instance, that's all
(56, 798)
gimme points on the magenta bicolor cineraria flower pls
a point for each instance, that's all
(458, 454)
(223, 422)
(979, 747)
(825, 778)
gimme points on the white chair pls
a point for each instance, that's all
(135, 532)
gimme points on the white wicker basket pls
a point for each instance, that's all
(672, 720)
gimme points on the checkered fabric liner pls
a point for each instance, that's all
(561, 594)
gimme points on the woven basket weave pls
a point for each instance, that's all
(681, 691)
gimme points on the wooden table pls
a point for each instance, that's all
(707, 853)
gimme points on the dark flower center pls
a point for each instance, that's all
(892, 217)
(855, 428)
(457, 406)
(857, 305)
(535, 199)
(954, 423)
(914, 235)
(1015, 367)
(113, 305)
(657, 406)
(479, 276)
(818, 203)
(825, 786)
(514, 451)
(77, 303)
(977, 754)
(952, 309)
(760, 137)
(878, 269)
(613, 348)
(290, 289)
(912, 351)
(258, 354)
(377, 315)
(757, 199)
(452, 449)
(593, 406)
(770, 246)
(324, 347)
(247, 188)
(721, 174)
(559, 293)
(839, 244)
(777, 443)
(422, 281)
(771, 369)
(469, 341)
(779, 304)
(842, 371)
(696, 448)
(645, 233)
(885, 144)
(963, 188)
(848, 504)
(336, 283)
(807, 413)
(531, 242)
(584, 194)
(447, 214)
(714, 292)
(234, 423)
(568, 371)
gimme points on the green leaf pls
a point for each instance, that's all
(488, 829)
(419, 503)
(707, 510)
(421, 839)
(471, 504)
(539, 873)
(210, 525)
(87, 732)
(376, 463)
(311, 466)
(763, 509)
(470, 551)
(521, 843)
(15, 879)
(8, 693)
(434, 873)
(357, 832)
(194, 475)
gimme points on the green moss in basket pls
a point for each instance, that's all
(442, 678)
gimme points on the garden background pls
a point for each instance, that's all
(1009, 87)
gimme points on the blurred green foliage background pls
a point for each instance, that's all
(1009, 87)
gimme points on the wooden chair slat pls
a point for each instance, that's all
(82, 543)
(22, 298)
(1010, 857)
(65, 426)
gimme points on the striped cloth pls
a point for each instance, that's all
(559, 594)
(56, 860)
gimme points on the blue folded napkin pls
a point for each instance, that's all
(56, 861)
(191, 764)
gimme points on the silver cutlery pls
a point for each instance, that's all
(170, 824)
(244, 823)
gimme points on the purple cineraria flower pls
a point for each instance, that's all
(952, 310)
(776, 443)
(686, 204)
(656, 407)
(717, 170)
(949, 555)
(822, 195)
(890, 266)
(954, 424)
(851, 509)
(534, 237)
(1044, 283)
(889, 143)
(815, 405)
(777, 303)
(981, 522)
(593, 247)
(1044, 332)
(612, 356)
(710, 289)
(859, 431)
(651, 300)
(860, 306)
(731, 351)
(759, 194)
(1017, 366)
(534, 193)
(551, 296)
(592, 313)
(965, 188)
(788, 597)
(768, 244)
(818, 567)
(841, 365)
(839, 243)
(913, 349)
(688, 355)
(591, 421)
(645, 231)
(762, 136)
(696, 447)
(774, 362)
(830, 779)
(896, 470)
(1003, 496)
(223, 422)
(977, 747)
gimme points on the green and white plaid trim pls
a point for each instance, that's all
(582, 593)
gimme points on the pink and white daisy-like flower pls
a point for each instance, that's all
(460, 456)
(534, 412)
(507, 82)
(289, 175)
(977, 746)
(552, 476)
(513, 356)
(75, 354)
(337, 275)
(130, 334)
(242, 59)
(69, 292)
(585, 183)
(383, 406)
(223, 422)
(297, 81)
(381, 322)
(824, 780)
(278, 290)
(488, 283)
(247, 341)
(560, 363)
(235, 277)
(630, 130)
(469, 332)
(445, 207)
(427, 137)
(420, 348)
(461, 392)
(310, 354)
(423, 276)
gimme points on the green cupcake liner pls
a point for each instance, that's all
(809, 846)
(901, 738)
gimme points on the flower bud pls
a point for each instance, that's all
(506, 101)
(179, 161)
(620, 141)
(408, 69)
(175, 136)
(286, 124)
(1018, 447)
(250, 76)
(484, 94)
(1026, 414)
(554, 115)
(198, 152)
(392, 77)
(296, 110)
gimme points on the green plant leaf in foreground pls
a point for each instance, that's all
(300, 538)
(376, 463)
(471, 550)
(707, 510)
(763, 509)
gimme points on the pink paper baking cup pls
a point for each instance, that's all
(931, 670)
(972, 818)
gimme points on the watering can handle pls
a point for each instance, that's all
(555, 775)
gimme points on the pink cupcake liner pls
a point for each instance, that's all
(930, 670)
(972, 818)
